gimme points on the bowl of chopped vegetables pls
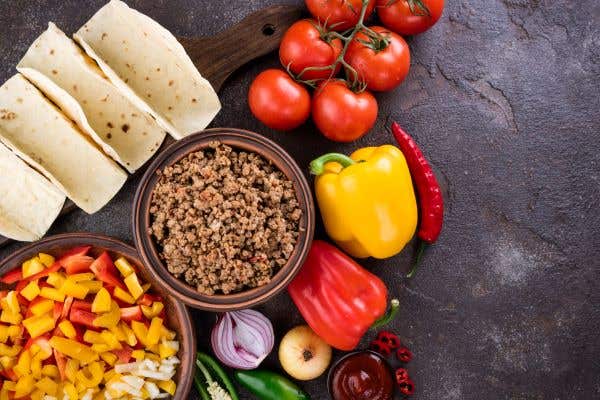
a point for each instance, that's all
(82, 318)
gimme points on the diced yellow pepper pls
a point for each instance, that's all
(10, 351)
(56, 279)
(131, 339)
(39, 324)
(111, 340)
(109, 319)
(134, 286)
(168, 386)
(67, 328)
(91, 376)
(69, 390)
(70, 288)
(11, 318)
(93, 337)
(73, 349)
(123, 295)
(24, 386)
(138, 354)
(101, 348)
(47, 385)
(118, 332)
(152, 311)
(167, 334)
(4, 394)
(124, 267)
(12, 303)
(50, 371)
(42, 307)
(111, 375)
(109, 358)
(93, 286)
(71, 369)
(36, 367)
(141, 332)
(102, 302)
(46, 259)
(23, 366)
(31, 291)
(9, 385)
(154, 331)
(15, 332)
(3, 333)
(37, 394)
(165, 351)
(7, 362)
(32, 267)
(84, 276)
(52, 294)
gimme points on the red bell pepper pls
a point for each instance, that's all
(61, 364)
(82, 305)
(82, 317)
(76, 264)
(105, 271)
(12, 276)
(132, 314)
(338, 298)
(123, 354)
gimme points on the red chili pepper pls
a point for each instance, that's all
(404, 354)
(380, 347)
(431, 200)
(407, 387)
(392, 340)
(401, 375)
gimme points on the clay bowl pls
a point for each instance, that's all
(239, 139)
(178, 317)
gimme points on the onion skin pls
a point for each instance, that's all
(242, 339)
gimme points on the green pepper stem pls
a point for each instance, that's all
(389, 315)
(317, 166)
(420, 251)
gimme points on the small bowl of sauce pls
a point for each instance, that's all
(362, 375)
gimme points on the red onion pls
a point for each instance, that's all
(242, 339)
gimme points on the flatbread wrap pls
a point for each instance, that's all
(64, 73)
(29, 203)
(150, 66)
(33, 128)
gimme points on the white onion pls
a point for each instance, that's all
(242, 339)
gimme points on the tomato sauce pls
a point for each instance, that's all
(361, 376)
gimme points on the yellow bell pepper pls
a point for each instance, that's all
(67, 328)
(123, 295)
(124, 267)
(31, 291)
(367, 200)
(47, 385)
(133, 284)
(46, 259)
(39, 324)
(102, 301)
(73, 289)
(24, 386)
(110, 319)
(154, 331)
(32, 267)
(52, 294)
(168, 386)
(73, 349)
(42, 307)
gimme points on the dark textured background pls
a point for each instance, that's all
(504, 98)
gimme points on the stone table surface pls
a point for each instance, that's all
(504, 98)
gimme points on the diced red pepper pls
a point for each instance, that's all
(148, 299)
(3, 293)
(76, 251)
(9, 374)
(58, 307)
(81, 305)
(105, 270)
(42, 274)
(77, 263)
(12, 276)
(82, 317)
(123, 354)
(66, 307)
(132, 314)
(61, 364)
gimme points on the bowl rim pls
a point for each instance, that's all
(146, 246)
(184, 384)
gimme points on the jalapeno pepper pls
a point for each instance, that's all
(267, 385)
(211, 379)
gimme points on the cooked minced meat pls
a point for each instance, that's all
(224, 220)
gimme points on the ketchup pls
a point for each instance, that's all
(361, 376)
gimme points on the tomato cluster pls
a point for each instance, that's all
(314, 51)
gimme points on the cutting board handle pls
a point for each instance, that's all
(260, 33)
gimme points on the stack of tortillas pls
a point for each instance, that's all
(73, 114)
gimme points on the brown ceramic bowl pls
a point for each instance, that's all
(178, 317)
(239, 139)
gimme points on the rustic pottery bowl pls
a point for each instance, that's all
(178, 317)
(239, 139)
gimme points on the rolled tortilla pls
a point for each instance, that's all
(42, 136)
(29, 203)
(60, 69)
(149, 65)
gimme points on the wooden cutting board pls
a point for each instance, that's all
(218, 56)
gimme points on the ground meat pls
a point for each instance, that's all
(224, 220)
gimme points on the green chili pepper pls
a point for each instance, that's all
(209, 372)
(267, 385)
